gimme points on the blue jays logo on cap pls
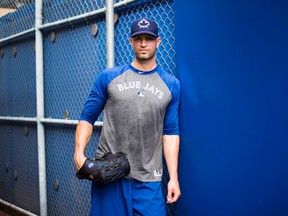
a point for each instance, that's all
(144, 26)
(143, 23)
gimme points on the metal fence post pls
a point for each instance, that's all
(40, 108)
(110, 33)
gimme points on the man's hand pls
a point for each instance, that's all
(173, 191)
(79, 161)
(82, 136)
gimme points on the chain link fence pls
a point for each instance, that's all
(74, 55)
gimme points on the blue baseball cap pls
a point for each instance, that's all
(144, 26)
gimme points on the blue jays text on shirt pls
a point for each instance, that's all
(137, 84)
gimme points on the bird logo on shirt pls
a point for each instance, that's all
(140, 94)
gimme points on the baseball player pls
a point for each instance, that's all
(140, 102)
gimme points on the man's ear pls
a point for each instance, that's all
(158, 42)
(130, 40)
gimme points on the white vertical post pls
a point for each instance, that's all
(110, 33)
(40, 108)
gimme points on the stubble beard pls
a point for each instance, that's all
(144, 58)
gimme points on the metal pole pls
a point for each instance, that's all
(66, 121)
(20, 210)
(110, 33)
(17, 35)
(46, 120)
(40, 109)
(17, 119)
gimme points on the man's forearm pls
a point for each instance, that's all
(82, 136)
(171, 151)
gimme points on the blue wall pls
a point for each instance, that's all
(232, 60)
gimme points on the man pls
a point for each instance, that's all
(140, 103)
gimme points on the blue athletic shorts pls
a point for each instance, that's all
(127, 197)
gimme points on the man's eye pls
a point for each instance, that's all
(146, 38)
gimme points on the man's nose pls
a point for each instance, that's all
(143, 43)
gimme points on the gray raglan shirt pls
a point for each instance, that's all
(139, 108)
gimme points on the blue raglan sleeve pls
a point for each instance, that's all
(171, 122)
(96, 99)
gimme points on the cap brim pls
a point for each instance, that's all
(144, 32)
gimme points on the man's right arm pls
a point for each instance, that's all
(82, 136)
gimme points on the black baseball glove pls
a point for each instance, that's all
(106, 169)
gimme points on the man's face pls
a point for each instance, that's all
(144, 46)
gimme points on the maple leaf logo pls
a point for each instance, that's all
(143, 23)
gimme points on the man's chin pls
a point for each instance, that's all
(144, 57)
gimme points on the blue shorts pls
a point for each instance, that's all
(128, 197)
